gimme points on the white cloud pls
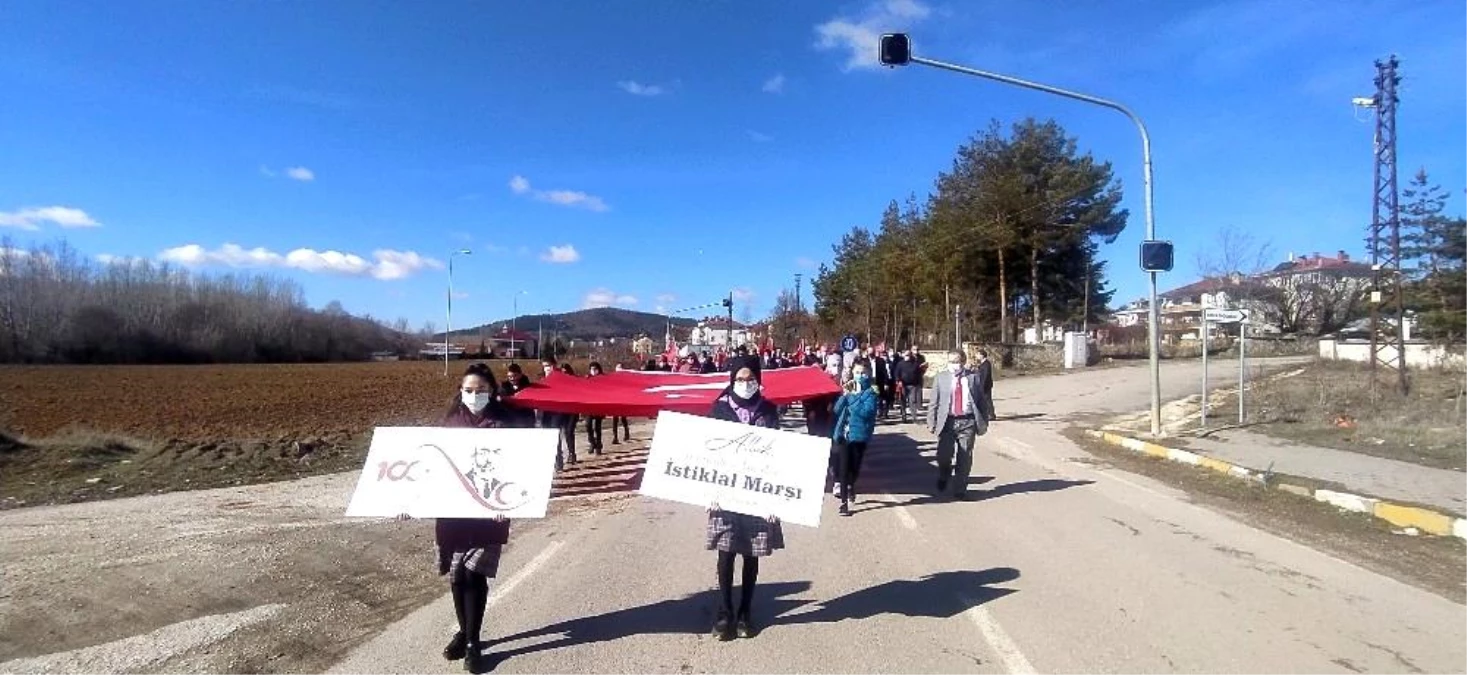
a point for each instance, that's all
(301, 174)
(743, 294)
(758, 137)
(385, 265)
(807, 263)
(603, 297)
(460, 295)
(109, 260)
(774, 85)
(666, 299)
(267, 172)
(521, 186)
(861, 38)
(638, 89)
(561, 254)
(31, 217)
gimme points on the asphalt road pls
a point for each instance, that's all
(1062, 566)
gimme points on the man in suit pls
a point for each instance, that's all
(885, 386)
(984, 371)
(957, 414)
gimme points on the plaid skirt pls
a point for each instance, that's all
(743, 534)
(484, 561)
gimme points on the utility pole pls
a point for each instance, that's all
(896, 50)
(958, 327)
(1385, 232)
(729, 348)
(798, 306)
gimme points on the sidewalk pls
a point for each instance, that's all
(1414, 498)
(1363, 474)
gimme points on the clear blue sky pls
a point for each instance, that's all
(671, 150)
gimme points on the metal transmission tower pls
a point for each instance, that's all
(1385, 234)
(797, 292)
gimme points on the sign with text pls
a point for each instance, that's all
(1225, 315)
(744, 469)
(436, 472)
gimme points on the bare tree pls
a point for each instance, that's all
(1234, 251)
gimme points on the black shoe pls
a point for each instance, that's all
(456, 648)
(942, 485)
(476, 661)
(744, 629)
(615, 442)
(845, 508)
(723, 628)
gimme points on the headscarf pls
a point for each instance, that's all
(744, 407)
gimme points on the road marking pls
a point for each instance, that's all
(535, 563)
(1014, 660)
(906, 517)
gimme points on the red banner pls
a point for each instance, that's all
(635, 393)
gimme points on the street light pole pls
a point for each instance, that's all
(514, 331)
(448, 323)
(1153, 329)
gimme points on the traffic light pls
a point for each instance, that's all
(896, 49)
(1156, 256)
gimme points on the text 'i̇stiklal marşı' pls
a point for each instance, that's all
(704, 474)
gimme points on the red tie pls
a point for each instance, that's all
(957, 394)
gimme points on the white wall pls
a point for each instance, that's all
(1418, 354)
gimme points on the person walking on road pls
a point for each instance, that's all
(855, 422)
(595, 424)
(958, 414)
(469, 548)
(909, 375)
(984, 371)
(883, 375)
(737, 534)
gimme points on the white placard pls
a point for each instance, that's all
(745, 469)
(437, 472)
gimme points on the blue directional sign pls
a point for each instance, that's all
(849, 343)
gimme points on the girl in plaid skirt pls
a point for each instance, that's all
(469, 548)
(737, 534)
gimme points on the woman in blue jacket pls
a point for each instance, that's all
(855, 421)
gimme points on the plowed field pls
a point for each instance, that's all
(75, 433)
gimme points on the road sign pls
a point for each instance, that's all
(849, 343)
(1225, 315)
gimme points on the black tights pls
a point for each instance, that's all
(470, 597)
(725, 582)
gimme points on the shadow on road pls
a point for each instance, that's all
(941, 595)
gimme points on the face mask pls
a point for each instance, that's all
(863, 381)
(475, 402)
(954, 368)
(745, 390)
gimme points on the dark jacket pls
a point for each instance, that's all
(766, 414)
(881, 372)
(462, 534)
(909, 373)
(984, 371)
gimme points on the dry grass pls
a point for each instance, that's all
(1334, 404)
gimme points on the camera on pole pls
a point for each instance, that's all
(896, 49)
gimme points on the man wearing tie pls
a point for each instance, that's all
(958, 414)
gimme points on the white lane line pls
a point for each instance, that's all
(524, 573)
(906, 517)
(1014, 660)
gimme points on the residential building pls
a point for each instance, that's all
(1309, 294)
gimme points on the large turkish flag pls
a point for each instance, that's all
(636, 393)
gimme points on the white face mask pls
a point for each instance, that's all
(954, 368)
(476, 402)
(745, 390)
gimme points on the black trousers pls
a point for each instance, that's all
(852, 454)
(593, 433)
(470, 598)
(626, 428)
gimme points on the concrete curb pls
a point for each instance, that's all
(1425, 520)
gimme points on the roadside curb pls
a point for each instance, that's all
(1400, 515)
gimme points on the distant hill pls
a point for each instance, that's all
(589, 324)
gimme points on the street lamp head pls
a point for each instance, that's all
(464, 251)
(896, 49)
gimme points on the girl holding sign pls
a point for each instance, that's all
(469, 548)
(855, 421)
(737, 534)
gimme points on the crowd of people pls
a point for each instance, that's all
(872, 382)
